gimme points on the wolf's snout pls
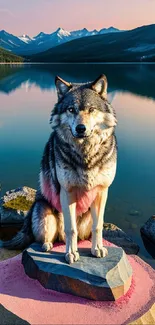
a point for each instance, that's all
(80, 129)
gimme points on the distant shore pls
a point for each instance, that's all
(73, 63)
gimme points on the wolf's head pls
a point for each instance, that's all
(83, 109)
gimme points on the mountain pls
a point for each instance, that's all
(6, 56)
(134, 45)
(26, 45)
(25, 38)
(43, 41)
(109, 30)
(83, 33)
(9, 41)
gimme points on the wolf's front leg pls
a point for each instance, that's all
(68, 204)
(97, 212)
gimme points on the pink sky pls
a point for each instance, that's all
(32, 16)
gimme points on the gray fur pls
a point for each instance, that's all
(69, 161)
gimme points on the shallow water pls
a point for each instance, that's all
(27, 95)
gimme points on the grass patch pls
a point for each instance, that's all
(7, 56)
(20, 203)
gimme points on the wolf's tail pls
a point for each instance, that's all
(24, 237)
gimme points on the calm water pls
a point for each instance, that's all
(27, 95)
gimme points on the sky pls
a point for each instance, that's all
(33, 16)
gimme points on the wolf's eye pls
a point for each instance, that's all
(71, 109)
(91, 109)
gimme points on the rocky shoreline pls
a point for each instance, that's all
(148, 235)
(15, 204)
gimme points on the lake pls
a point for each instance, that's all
(27, 95)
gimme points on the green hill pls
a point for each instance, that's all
(7, 57)
(128, 46)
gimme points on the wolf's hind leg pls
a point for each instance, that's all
(97, 211)
(84, 225)
(44, 225)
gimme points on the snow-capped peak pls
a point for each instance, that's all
(25, 38)
(62, 32)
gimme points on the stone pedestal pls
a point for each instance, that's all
(106, 278)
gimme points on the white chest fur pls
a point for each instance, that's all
(85, 179)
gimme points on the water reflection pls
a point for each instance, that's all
(138, 79)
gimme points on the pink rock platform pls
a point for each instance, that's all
(29, 300)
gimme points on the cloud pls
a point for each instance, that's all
(6, 12)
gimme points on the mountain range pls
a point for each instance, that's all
(26, 45)
(106, 45)
(135, 45)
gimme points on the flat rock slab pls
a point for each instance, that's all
(106, 278)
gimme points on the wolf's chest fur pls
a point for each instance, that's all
(84, 172)
(84, 198)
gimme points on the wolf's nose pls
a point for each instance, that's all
(80, 129)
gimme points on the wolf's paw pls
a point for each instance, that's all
(72, 257)
(46, 247)
(99, 252)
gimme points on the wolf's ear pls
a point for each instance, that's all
(62, 86)
(100, 85)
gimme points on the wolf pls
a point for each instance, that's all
(77, 168)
